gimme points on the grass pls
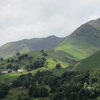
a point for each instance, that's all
(77, 47)
(53, 59)
(51, 65)
(90, 63)
(59, 72)
(10, 77)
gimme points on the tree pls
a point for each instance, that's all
(3, 90)
(12, 60)
(24, 98)
(56, 96)
(8, 60)
(43, 92)
(9, 66)
(42, 51)
(39, 63)
(1, 59)
(15, 68)
(85, 85)
(38, 92)
(17, 54)
(19, 98)
(58, 66)
(44, 54)
(6, 80)
(29, 67)
(31, 91)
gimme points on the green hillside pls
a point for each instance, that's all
(53, 58)
(57, 81)
(27, 60)
(23, 46)
(84, 41)
(90, 63)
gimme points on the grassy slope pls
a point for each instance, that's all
(92, 62)
(82, 43)
(53, 59)
(59, 57)
(8, 50)
(77, 48)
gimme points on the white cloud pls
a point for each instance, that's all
(21, 19)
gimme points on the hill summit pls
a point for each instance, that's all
(84, 41)
(27, 45)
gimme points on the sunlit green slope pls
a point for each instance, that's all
(84, 41)
(90, 63)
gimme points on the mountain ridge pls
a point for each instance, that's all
(83, 42)
(27, 45)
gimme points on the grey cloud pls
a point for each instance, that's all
(21, 19)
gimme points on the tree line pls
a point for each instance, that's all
(71, 85)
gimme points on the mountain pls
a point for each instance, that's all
(26, 45)
(92, 62)
(84, 41)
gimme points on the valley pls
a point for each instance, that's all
(53, 68)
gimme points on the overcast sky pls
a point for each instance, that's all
(21, 19)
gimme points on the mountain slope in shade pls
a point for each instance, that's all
(84, 41)
(92, 62)
(23, 46)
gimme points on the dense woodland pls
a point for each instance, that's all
(71, 85)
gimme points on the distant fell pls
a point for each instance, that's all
(27, 45)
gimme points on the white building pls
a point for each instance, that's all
(20, 70)
(4, 72)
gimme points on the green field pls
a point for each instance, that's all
(53, 59)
